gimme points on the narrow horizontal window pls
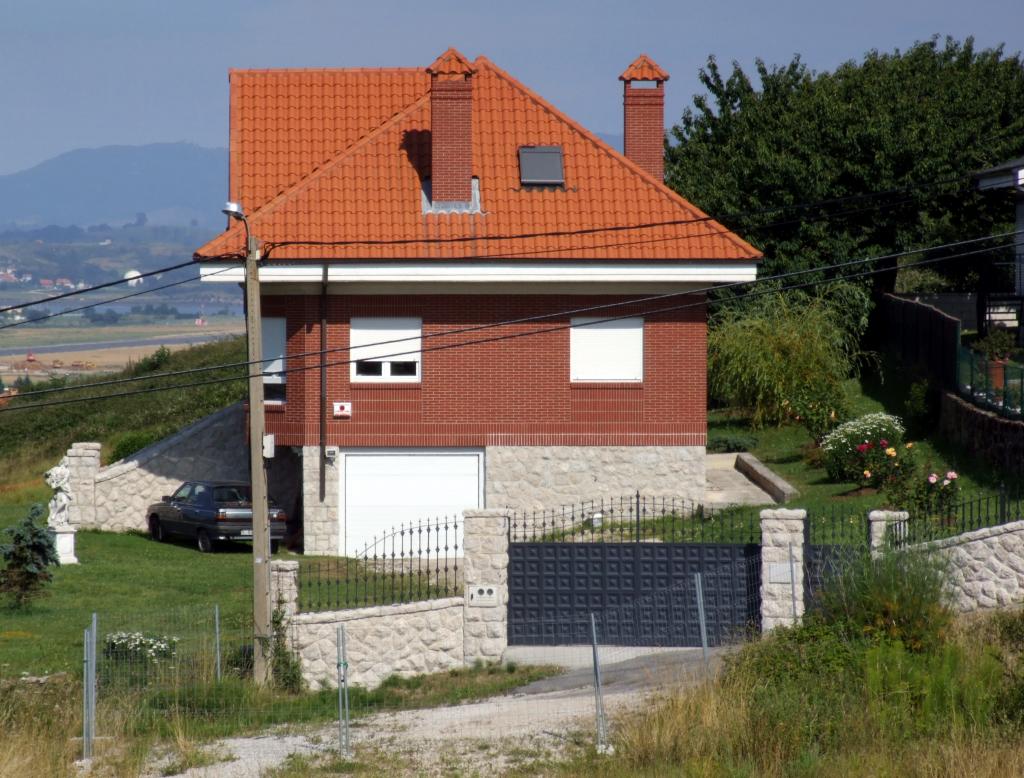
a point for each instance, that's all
(385, 349)
(602, 350)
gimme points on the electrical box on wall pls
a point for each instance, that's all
(485, 595)
(343, 410)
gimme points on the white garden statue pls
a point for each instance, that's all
(58, 478)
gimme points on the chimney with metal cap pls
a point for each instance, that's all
(644, 115)
(451, 128)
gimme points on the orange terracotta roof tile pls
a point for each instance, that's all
(451, 63)
(329, 165)
(643, 68)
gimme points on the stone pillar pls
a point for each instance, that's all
(84, 464)
(284, 586)
(879, 522)
(782, 576)
(485, 561)
(319, 503)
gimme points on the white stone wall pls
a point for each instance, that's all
(485, 546)
(986, 566)
(545, 477)
(782, 539)
(405, 640)
(213, 448)
(319, 503)
(84, 464)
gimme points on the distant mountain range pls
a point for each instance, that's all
(171, 183)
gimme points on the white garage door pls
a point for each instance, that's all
(381, 491)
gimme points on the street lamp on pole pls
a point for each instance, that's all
(261, 605)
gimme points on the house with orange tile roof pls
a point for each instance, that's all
(468, 299)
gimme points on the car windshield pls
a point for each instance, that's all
(231, 494)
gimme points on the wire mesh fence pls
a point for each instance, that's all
(637, 518)
(186, 674)
(410, 563)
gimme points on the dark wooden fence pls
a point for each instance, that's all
(923, 337)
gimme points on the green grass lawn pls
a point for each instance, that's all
(131, 582)
(785, 449)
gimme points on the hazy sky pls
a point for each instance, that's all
(82, 74)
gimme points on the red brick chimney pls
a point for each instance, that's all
(451, 128)
(644, 115)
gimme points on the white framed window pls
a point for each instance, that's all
(274, 341)
(385, 349)
(606, 350)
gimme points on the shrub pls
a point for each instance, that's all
(997, 344)
(762, 357)
(894, 596)
(927, 495)
(139, 648)
(730, 443)
(134, 441)
(27, 559)
(848, 448)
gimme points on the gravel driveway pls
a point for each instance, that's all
(538, 721)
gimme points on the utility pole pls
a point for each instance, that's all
(257, 474)
(261, 606)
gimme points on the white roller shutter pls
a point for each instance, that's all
(606, 350)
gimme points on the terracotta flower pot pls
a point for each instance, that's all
(996, 373)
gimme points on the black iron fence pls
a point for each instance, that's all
(637, 518)
(936, 520)
(410, 564)
(995, 384)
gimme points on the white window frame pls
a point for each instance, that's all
(602, 351)
(368, 336)
(274, 336)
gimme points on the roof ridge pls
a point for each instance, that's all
(286, 71)
(321, 170)
(666, 191)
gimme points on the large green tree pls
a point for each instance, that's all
(935, 112)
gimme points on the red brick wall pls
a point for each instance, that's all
(506, 392)
(644, 127)
(451, 140)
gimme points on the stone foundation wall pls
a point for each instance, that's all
(319, 502)
(545, 477)
(405, 640)
(998, 441)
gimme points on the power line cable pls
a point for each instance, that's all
(562, 313)
(269, 246)
(76, 292)
(111, 301)
(497, 338)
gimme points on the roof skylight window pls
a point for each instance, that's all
(541, 166)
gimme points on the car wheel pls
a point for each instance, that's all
(156, 529)
(203, 541)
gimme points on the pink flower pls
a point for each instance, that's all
(951, 475)
(945, 482)
(883, 443)
(933, 479)
(862, 447)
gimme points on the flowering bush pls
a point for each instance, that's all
(857, 450)
(928, 494)
(139, 648)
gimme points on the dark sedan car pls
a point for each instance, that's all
(208, 511)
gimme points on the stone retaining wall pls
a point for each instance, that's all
(115, 498)
(544, 477)
(405, 640)
(998, 441)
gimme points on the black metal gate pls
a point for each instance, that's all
(831, 541)
(632, 564)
